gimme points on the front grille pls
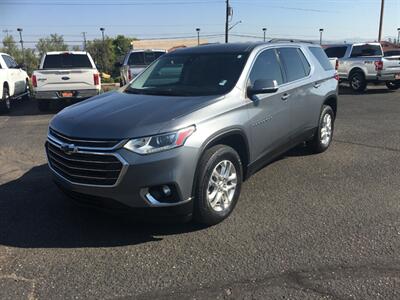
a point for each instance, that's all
(85, 168)
(83, 143)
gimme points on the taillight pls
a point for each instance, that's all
(96, 79)
(129, 75)
(378, 65)
(336, 76)
(34, 81)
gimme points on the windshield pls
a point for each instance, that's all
(191, 74)
(66, 61)
(143, 58)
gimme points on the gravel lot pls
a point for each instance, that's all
(306, 227)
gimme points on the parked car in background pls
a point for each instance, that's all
(14, 82)
(393, 52)
(185, 133)
(362, 63)
(135, 61)
(65, 76)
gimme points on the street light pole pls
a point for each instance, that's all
(264, 30)
(321, 30)
(381, 21)
(398, 36)
(198, 36)
(103, 52)
(22, 44)
(228, 9)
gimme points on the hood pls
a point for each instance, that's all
(117, 115)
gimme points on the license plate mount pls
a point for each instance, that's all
(67, 94)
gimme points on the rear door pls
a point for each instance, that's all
(66, 72)
(269, 113)
(299, 86)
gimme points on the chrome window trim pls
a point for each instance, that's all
(119, 157)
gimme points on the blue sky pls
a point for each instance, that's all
(341, 19)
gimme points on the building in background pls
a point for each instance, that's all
(166, 44)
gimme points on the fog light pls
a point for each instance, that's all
(166, 190)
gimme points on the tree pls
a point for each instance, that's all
(122, 45)
(30, 58)
(103, 54)
(54, 42)
(10, 46)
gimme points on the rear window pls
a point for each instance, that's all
(67, 61)
(338, 52)
(293, 61)
(143, 58)
(366, 50)
(323, 60)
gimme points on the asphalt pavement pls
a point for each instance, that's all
(306, 227)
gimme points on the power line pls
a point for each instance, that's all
(106, 4)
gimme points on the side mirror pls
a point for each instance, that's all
(262, 86)
(21, 66)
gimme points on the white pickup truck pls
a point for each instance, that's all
(14, 82)
(67, 76)
(362, 63)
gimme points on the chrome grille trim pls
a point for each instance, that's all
(83, 144)
(82, 150)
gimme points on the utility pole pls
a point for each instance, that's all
(84, 40)
(264, 30)
(398, 36)
(22, 45)
(7, 31)
(228, 12)
(198, 36)
(381, 21)
(321, 30)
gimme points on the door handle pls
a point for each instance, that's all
(317, 85)
(285, 96)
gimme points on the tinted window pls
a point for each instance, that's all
(292, 61)
(366, 50)
(338, 52)
(322, 58)
(190, 74)
(266, 66)
(66, 61)
(392, 53)
(143, 58)
(10, 63)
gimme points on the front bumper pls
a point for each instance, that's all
(175, 168)
(78, 94)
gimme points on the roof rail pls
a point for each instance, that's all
(291, 41)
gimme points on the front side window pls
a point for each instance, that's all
(366, 50)
(190, 74)
(67, 61)
(10, 63)
(266, 66)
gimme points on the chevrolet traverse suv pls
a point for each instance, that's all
(183, 135)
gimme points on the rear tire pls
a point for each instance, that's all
(5, 102)
(43, 104)
(218, 185)
(28, 91)
(323, 136)
(358, 83)
(393, 85)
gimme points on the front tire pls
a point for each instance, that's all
(358, 83)
(393, 85)
(323, 137)
(5, 103)
(218, 185)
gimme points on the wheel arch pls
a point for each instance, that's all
(355, 70)
(332, 102)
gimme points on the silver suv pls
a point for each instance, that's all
(182, 137)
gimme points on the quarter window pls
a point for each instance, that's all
(293, 62)
(322, 58)
(266, 66)
(337, 52)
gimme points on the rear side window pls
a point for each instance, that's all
(366, 50)
(292, 59)
(338, 52)
(322, 58)
(67, 61)
(266, 66)
(143, 58)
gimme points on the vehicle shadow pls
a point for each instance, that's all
(35, 214)
(29, 108)
(371, 90)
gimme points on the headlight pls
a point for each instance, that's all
(158, 143)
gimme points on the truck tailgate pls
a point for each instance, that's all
(65, 80)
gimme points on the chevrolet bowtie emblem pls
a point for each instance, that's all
(69, 148)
